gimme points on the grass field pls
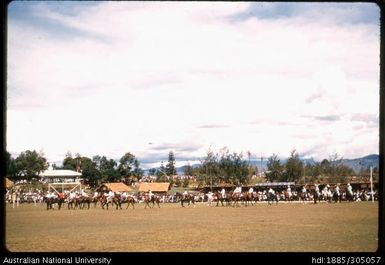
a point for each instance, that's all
(348, 227)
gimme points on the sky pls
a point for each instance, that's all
(106, 78)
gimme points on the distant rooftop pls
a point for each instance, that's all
(60, 173)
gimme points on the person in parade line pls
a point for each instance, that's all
(316, 188)
(325, 190)
(337, 192)
(304, 193)
(338, 189)
(72, 196)
(61, 195)
(223, 193)
(349, 189)
(150, 194)
(271, 195)
(316, 193)
(95, 196)
(250, 194)
(185, 193)
(51, 195)
(238, 190)
(83, 193)
(210, 198)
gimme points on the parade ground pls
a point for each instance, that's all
(282, 227)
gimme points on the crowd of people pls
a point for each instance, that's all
(326, 193)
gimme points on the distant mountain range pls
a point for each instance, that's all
(356, 164)
(362, 163)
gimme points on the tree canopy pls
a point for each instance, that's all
(26, 166)
(274, 169)
(170, 167)
(215, 168)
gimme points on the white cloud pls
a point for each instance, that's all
(156, 72)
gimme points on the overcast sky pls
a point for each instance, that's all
(106, 78)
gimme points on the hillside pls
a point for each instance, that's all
(356, 164)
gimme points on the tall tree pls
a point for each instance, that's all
(29, 164)
(71, 163)
(241, 169)
(225, 166)
(137, 172)
(161, 175)
(188, 170)
(126, 165)
(274, 169)
(325, 167)
(10, 170)
(293, 167)
(96, 159)
(313, 170)
(233, 168)
(251, 169)
(170, 167)
(338, 171)
(209, 169)
(186, 182)
(90, 172)
(88, 167)
(229, 168)
(108, 169)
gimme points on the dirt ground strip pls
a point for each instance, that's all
(344, 227)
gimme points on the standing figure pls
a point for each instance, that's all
(337, 193)
(14, 200)
(271, 196)
(316, 193)
(303, 194)
(223, 193)
(349, 192)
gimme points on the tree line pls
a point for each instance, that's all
(95, 170)
(214, 169)
(297, 171)
(233, 168)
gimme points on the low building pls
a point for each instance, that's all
(62, 179)
(114, 187)
(60, 175)
(158, 187)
